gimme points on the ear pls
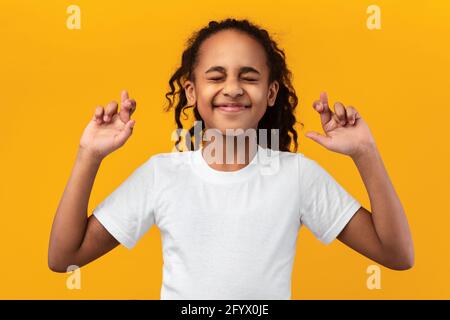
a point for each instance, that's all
(272, 94)
(189, 90)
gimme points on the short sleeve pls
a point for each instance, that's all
(128, 212)
(325, 206)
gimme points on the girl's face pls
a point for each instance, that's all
(231, 69)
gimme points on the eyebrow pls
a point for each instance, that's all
(242, 70)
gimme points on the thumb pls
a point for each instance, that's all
(317, 137)
(126, 132)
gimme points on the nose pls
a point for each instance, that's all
(232, 89)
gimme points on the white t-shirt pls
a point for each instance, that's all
(227, 235)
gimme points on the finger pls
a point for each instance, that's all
(320, 139)
(341, 113)
(317, 106)
(357, 115)
(336, 120)
(123, 96)
(125, 133)
(111, 109)
(133, 106)
(98, 114)
(129, 105)
(324, 100)
(126, 110)
(323, 110)
(351, 115)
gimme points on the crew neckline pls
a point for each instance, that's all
(203, 169)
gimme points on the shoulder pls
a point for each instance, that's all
(289, 159)
(164, 157)
(162, 167)
(281, 163)
(169, 161)
(304, 165)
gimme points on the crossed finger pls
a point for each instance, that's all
(322, 107)
(342, 115)
(127, 107)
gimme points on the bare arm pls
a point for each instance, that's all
(384, 235)
(76, 239)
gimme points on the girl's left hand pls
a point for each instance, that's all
(345, 129)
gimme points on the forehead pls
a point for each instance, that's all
(231, 49)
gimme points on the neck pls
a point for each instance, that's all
(236, 154)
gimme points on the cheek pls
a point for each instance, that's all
(258, 95)
(204, 107)
(204, 100)
(206, 96)
(259, 100)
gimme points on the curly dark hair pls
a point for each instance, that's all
(280, 116)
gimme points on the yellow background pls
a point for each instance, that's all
(52, 78)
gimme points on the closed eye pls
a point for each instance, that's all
(246, 79)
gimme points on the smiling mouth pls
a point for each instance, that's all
(231, 107)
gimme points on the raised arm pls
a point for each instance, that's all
(76, 239)
(382, 235)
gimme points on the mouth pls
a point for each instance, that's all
(231, 107)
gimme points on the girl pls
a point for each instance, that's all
(229, 229)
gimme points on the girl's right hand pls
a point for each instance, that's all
(108, 130)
